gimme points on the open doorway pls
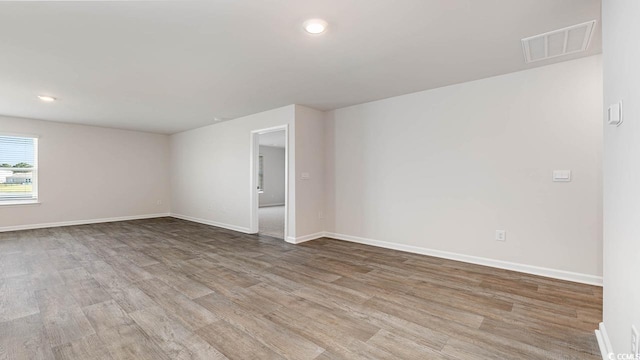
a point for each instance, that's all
(270, 182)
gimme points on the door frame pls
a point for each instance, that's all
(253, 184)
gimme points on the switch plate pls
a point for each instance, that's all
(614, 114)
(561, 175)
(635, 342)
(501, 235)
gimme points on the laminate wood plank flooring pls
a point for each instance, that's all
(172, 289)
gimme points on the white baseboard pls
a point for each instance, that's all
(80, 222)
(529, 269)
(270, 205)
(552, 273)
(603, 342)
(212, 223)
(301, 239)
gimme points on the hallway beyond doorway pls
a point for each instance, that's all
(271, 221)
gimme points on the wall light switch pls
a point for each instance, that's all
(614, 114)
(561, 175)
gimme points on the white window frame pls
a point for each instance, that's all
(34, 199)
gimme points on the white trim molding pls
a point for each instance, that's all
(80, 222)
(305, 238)
(603, 342)
(13, 203)
(212, 223)
(529, 269)
(271, 205)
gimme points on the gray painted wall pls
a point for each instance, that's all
(274, 159)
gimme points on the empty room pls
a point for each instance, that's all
(411, 179)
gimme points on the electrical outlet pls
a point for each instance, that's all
(501, 235)
(159, 202)
(635, 342)
(320, 214)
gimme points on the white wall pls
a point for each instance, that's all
(622, 172)
(273, 176)
(90, 173)
(310, 159)
(210, 168)
(443, 169)
(219, 156)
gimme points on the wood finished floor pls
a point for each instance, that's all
(171, 289)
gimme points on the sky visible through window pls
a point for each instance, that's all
(15, 150)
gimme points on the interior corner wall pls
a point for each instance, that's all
(273, 192)
(442, 170)
(88, 174)
(210, 170)
(310, 160)
(621, 51)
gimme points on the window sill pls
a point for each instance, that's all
(19, 202)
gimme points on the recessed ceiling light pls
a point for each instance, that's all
(315, 26)
(46, 98)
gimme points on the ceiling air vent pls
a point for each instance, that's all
(559, 42)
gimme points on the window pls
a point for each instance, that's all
(18, 170)
(260, 173)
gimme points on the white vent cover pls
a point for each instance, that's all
(559, 42)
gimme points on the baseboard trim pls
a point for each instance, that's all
(80, 222)
(529, 269)
(271, 205)
(603, 342)
(305, 238)
(212, 223)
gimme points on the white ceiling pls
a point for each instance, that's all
(274, 139)
(170, 66)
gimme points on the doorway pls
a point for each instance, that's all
(269, 182)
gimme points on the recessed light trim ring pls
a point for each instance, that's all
(315, 26)
(46, 98)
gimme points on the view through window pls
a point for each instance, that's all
(18, 169)
(260, 173)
